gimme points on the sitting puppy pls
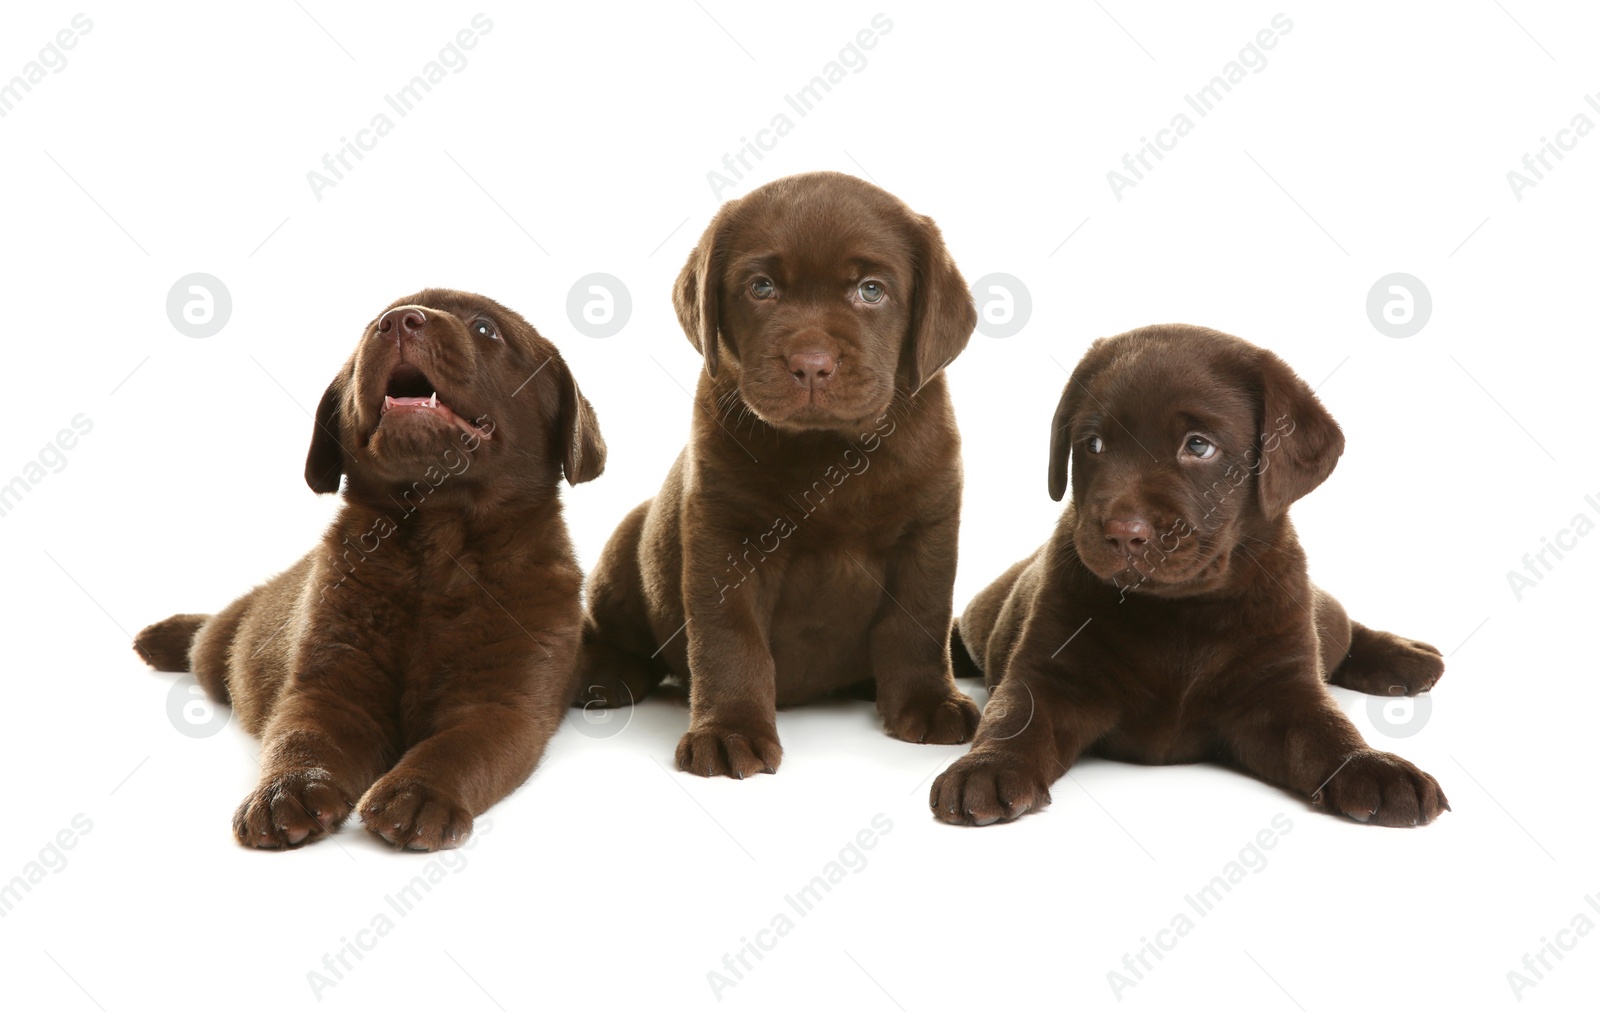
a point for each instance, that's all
(420, 659)
(1169, 618)
(805, 540)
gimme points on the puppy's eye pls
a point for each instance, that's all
(762, 288)
(1094, 444)
(870, 291)
(484, 328)
(1199, 446)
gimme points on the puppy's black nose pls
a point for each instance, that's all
(402, 322)
(1129, 534)
(812, 368)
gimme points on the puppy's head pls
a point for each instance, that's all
(451, 388)
(822, 295)
(1185, 443)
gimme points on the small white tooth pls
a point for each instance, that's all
(433, 402)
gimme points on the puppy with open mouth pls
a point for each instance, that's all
(415, 665)
(1169, 618)
(805, 540)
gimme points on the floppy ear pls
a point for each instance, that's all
(942, 313)
(1300, 442)
(583, 449)
(1067, 410)
(695, 294)
(325, 459)
(1061, 440)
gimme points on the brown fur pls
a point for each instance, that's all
(417, 663)
(805, 540)
(1169, 619)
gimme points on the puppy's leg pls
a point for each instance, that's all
(243, 655)
(1370, 661)
(982, 620)
(1037, 723)
(917, 694)
(487, 739)
(1033, 729)
(609, 677)
(302, 675)
(1293, 734)
(733, 730)
(962, 662)
(320, 751)
(616, 666)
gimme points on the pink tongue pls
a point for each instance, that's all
(433, 405)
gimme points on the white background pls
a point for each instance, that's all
(577, 139)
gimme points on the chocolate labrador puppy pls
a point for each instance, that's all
(805, 540)
(421, 658)
(1169, 618)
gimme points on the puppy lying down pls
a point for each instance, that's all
(418, 661)
(1169, 618)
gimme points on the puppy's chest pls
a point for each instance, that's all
(421, 614)
(821, 622)
(1174, 682)
(867, 509)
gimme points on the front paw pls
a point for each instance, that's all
(290, 809)
(1384, 664)
(988, 786)
(944, 720)
(1382, 789)
(409, 813)
(718, 750)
